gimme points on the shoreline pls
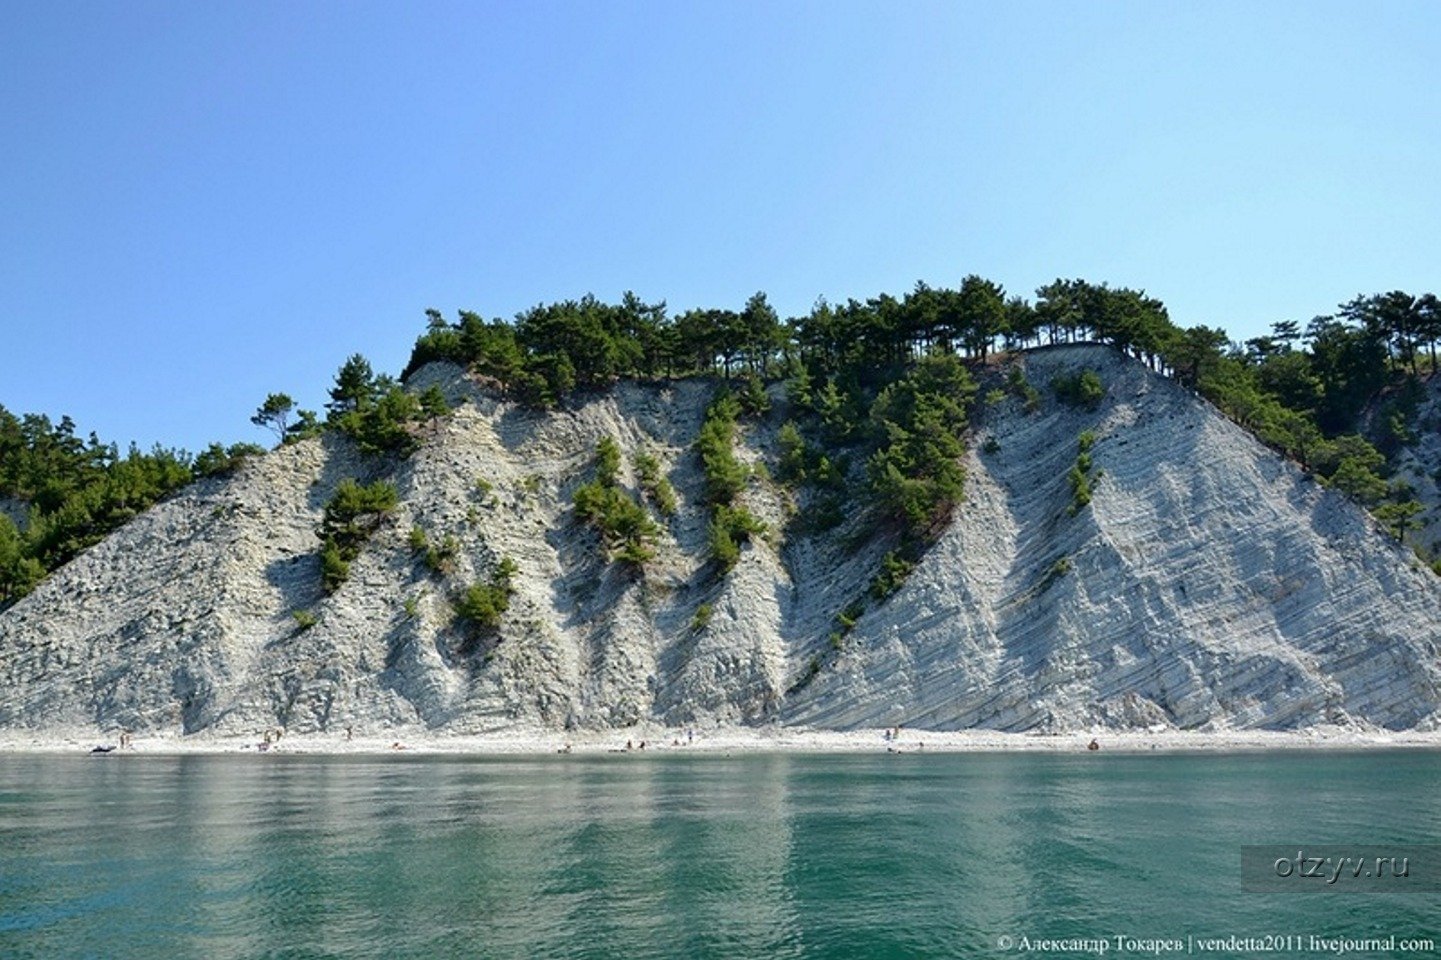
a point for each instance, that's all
(652, 741)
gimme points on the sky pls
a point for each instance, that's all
(204, 203)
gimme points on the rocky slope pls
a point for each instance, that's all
(1208, 585)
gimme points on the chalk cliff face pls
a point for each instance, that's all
(1208, 584)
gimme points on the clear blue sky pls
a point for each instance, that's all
(206, 202)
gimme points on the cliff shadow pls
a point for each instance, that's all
(297, 579)
(344, 461)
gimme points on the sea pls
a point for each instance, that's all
(773, 855)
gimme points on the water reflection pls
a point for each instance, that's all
(698, 856)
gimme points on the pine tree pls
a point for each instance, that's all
(274, 414)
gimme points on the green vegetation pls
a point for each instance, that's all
(701, 619)
(1353, 466)
(824, 513)
(334, 567)
(655, 486)
(483, 604)
(801, 462)
(813, 670)
(1306, 394)
(895, 568)
(1021, 388)
(304, 620)
(307, 425)
(553, 349)
(916, 474)
(1399, 515)
(274, 414)
(19, 572)
(753, 400)
(433, 404)
(1083, 389)
(1057, 570)
(219, 461)
(914, 434)
(1335, 394)
(607, 462)
(69, 493)
(439, 558)
(725, 478)
(1080, 489)
(1080, 475)
(352, 516)
(731, 526)
(375, 411)
(626, 529)
(795, 454)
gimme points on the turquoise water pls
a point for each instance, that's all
(698, 856)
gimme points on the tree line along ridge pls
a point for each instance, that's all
(878, 389)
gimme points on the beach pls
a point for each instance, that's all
(643, 740)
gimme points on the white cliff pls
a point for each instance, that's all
(1209, 584)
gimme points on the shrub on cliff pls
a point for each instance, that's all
(352, 515)
(1083, 389)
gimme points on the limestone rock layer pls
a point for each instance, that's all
(1208, 584)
